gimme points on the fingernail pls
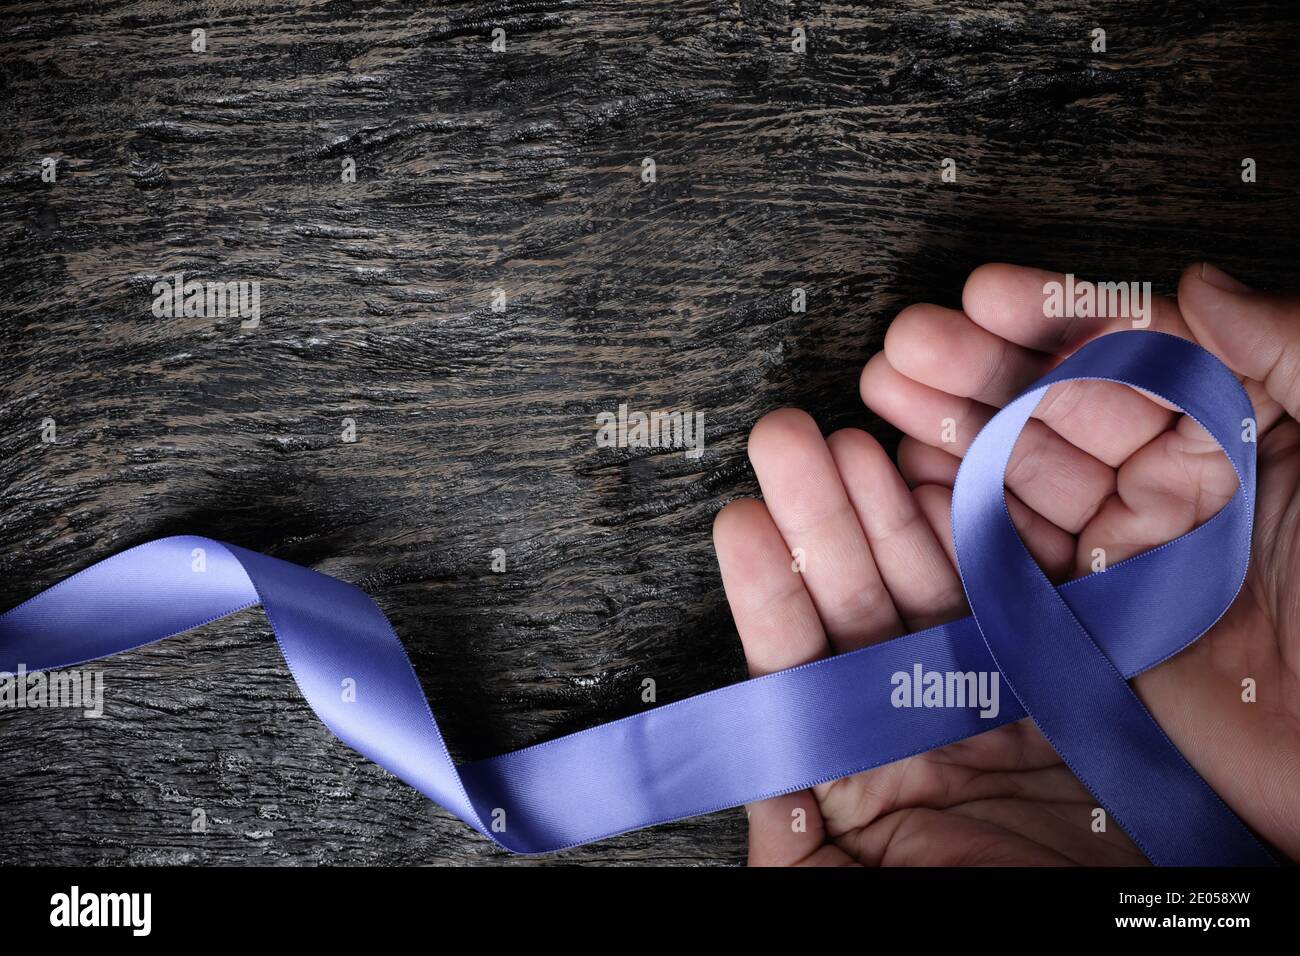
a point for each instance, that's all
(1216, 277)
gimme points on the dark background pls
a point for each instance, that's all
(519, 170)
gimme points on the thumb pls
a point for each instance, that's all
(1254, 334)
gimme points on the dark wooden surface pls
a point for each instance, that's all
(519, 170)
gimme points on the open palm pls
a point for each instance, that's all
(1102, 472)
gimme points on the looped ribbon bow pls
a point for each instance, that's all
(1066, 653)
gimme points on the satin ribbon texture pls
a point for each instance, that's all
(1066, 654)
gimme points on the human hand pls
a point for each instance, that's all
(1100, 466)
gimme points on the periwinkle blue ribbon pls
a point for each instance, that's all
(1066, 653)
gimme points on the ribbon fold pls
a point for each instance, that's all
(1066, 653)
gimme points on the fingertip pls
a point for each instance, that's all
(862, 461)
(855, 441)
(988, 279)
(1216, 277)
(1190, 274)
(1245, 329)
(994, 286)
(914, 341)
(1209, 290)
(944, 349)
(1193, 290)
(873, 377)
(775, 430)
(734, 517)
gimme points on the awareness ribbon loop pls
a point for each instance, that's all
(1065, 652)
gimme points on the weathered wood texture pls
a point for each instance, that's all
(520, 171)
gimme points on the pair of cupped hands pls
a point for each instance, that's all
(1099, 466)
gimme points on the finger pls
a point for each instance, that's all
(1060, 481)
(1180, 482)
(1051, 547)
(1255, 335)
(1008, 301)
(929, 415)
(1012, 303)
(807, 500)
(945, 350)
(779, 628)
(1177, 482)
(912, 562)
(776, 619)
(1107, 420)
(922, 464)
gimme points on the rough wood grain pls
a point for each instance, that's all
(521, 171)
